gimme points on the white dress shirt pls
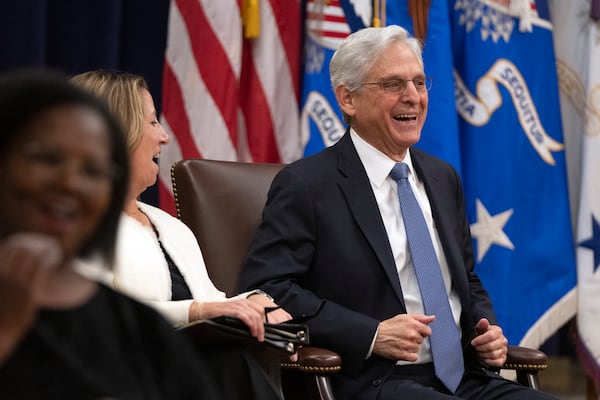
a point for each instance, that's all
(378, 167)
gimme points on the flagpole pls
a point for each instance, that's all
(419, 12)
(376, 19)
(251, 18)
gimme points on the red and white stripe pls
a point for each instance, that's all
(326, 22)
(226, 97)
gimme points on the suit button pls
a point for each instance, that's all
(377, 382)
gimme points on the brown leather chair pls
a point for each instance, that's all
(222, 204)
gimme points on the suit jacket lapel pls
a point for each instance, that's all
(361, 201)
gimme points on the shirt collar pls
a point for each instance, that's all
(377, 165)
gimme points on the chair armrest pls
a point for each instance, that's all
(315, 360)
(525, 359)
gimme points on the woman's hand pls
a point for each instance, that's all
(277, 315)
(27, 261)
(247, 311)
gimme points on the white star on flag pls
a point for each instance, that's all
(488, 230)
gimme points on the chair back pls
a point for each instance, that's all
(222, 203)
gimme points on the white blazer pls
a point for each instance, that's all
(141, 270)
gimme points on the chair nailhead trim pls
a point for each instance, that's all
(175, 196)
(535, 367)
(302, 368)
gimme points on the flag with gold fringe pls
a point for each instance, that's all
(513, 163)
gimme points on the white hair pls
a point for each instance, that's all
(359, 51)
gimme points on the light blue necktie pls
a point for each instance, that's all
(446, 349)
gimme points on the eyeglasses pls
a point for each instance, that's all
(397, 86)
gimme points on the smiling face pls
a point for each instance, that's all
(56, 177)
(144, 158)
(390, 122)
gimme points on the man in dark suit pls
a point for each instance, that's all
(333, 246)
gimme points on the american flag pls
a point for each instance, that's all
(228, 96)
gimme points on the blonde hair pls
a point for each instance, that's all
(123, 93)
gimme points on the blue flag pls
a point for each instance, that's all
(328, 23)
(513, 162)
(495, 61)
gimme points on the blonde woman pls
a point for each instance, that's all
(158, 259)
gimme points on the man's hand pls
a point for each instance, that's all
(400, 337)
(490, 343)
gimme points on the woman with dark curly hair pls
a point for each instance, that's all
(64, 177)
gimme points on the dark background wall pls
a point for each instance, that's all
(74, 36)
(80, 35)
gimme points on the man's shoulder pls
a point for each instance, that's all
(329, 160)
(322, 157)
(318, 164)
